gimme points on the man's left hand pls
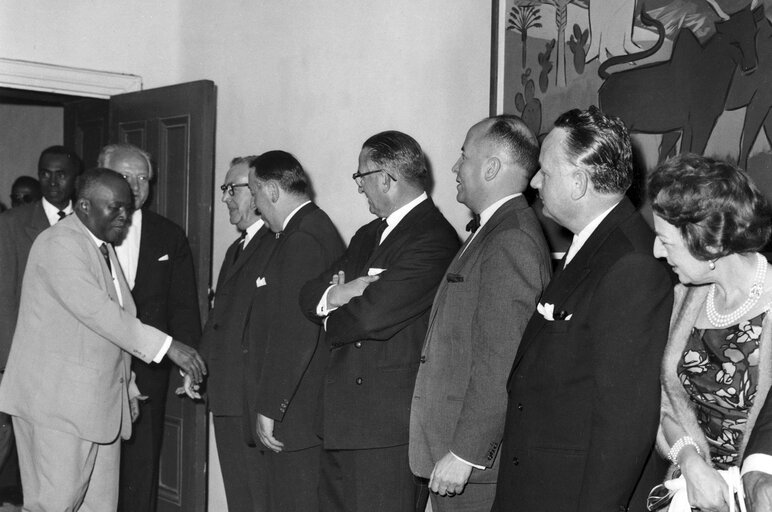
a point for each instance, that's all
(188, 388)
(758, 491)
(134, 406)
(449, 475)
(265, 434)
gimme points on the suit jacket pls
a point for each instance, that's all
(18, 229)
(584, 389)
(222, 340)
(479, 313)
(164, 292)
(69, 364)
(286, 362)
(761, 436)
(376, 338)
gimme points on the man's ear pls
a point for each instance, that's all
(580, 184)
(83, 205)
(273, 190)
(385, 181)
(492, 168)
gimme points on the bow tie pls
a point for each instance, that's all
(474, 224)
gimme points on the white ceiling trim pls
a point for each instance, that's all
(37, 76)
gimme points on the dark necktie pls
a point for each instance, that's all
(474, 224)
(106, 254)
(379, 231)
(61, 215)
(239, 247)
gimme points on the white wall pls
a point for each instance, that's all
(312, 77)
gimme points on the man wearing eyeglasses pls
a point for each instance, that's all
(374, 303)
(158, 266)
(221, 341)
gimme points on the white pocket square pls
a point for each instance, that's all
(373, 271)
(165, 257)
(260, 282)
(547, 310)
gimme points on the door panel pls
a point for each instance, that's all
(175, 125)
(85, 128)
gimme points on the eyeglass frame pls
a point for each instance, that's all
(357, 176)
(229, 188)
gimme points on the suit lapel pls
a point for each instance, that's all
(148, 244)
(38, 222)
(126, 298)
(246, 254)
(565, 281)
(405, 225)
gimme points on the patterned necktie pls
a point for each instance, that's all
(240, 247)
(61, 215)
(106, 254)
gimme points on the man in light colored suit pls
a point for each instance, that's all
(68, 383)
(480, 311)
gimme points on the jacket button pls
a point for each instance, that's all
(246, 350)
(215, 327)
(358, 344)
(519, 407)
(359, 381)
(120, 380)
(515, 461)
(423, 359)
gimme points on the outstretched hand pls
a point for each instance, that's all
(188, 359)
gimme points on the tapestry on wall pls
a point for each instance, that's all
(683, 75)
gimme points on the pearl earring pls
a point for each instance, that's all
(712, 265)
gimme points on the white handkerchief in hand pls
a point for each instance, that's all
(260, 282)
(373, 271)
(165, 257)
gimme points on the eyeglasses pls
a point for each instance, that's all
(230, 186)
(357, 176)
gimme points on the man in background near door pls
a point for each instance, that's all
(156, 260)
(375, 314)
(221, 342)
(57, 169)
(479, 314)
(25, 189)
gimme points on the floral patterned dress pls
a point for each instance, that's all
(719, 370)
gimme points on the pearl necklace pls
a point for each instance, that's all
(721, 321)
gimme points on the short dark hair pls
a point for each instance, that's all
(89, 180)
(601, 143)
(284, 169)
(400, 154)
(26, 181)
(715, 206)
(71, 155)
(511, 134)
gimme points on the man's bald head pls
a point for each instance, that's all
(104, 204)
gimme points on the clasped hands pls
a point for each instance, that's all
(192, 366)
(342, 292)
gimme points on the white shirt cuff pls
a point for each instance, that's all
(164, 349)
(467, 462)
(757, 462)
(322, 309)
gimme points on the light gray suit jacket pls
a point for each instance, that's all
(69, 367)
(480, 311)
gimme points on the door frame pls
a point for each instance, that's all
(40, 76)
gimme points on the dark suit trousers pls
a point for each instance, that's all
(240, 464)
(291, 481)
(375, 480)
(141, 454)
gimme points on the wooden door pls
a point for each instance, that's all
(176, 125)
(86, 124)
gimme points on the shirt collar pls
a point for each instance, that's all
(400, 213)
(487, 213)
(52, 212)
(251, 230)
(292, 214)
(581, 237)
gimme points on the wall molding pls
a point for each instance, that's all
(38, 76)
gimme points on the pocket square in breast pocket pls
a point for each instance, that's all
(165, 257)
(260, 281)
(373, 271)
(454, 278)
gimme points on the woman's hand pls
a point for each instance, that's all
(705, 488)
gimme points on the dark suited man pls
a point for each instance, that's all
(25, 189)
(757, 466)
(222, 342)
(68, 383)
(479, 314)
(584, 388)
(158, 266)
(286, 361)
(57, 169)
(375, 315)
